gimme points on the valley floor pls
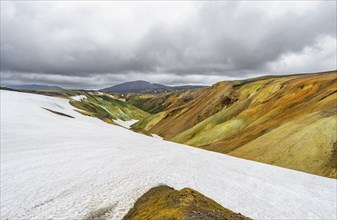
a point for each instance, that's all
(54, 166)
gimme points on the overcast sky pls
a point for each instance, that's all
(98, 44)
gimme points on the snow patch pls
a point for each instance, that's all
(156, 136)
(78, 97)
(125, 124)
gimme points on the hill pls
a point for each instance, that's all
(141, 86)
(288, 121)
(106, 107)
(71, 167)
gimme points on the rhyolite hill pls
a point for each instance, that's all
(288, 121)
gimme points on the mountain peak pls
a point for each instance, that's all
(134, 86)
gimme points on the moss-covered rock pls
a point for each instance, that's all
(163, 202)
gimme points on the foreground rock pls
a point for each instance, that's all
(164, 202)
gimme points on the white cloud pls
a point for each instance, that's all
(318, 57)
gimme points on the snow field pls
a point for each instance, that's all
(59, 167)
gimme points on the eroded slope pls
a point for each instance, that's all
(288, 121)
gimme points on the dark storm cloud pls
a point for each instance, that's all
(82, 44)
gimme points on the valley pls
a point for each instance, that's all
(63, 167)
(112, 143)
(168, 110)
(287, 121)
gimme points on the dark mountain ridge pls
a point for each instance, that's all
(33, 87)
(141, 86)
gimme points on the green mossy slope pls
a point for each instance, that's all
(106, 108)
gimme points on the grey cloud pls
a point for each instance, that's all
(83, 44)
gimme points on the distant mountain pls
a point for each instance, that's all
(134, 86)
(141, 86)
(34, 87)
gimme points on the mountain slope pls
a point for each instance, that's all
(104, 106)
(237, 117)
(66, 168)
(107, 108)
(179, 118)
(161, 102)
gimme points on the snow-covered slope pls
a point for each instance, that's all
(125, 124)
(54, 166)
